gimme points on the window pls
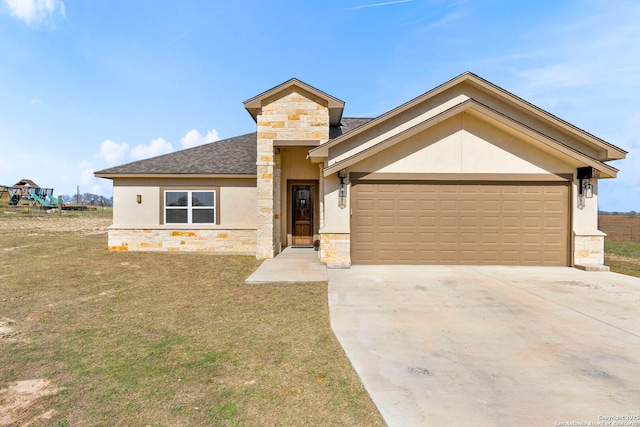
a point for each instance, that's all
(190, 207)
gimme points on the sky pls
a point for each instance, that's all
(86, 85)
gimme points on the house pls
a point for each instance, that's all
(466, 173)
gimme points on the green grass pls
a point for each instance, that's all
(168, 339)
(623, 257)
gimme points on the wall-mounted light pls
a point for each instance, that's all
(585, 184)
(587, 188)
(342, 189)
(139, 198)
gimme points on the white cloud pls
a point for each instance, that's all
(387, 3)
(112, 152)
(156, 147)
(86, 173)
(193, 138)
(34, 11)
(90, 184)
(36, 101)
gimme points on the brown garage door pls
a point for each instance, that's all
(459, 223)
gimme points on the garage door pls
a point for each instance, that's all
(459, 223)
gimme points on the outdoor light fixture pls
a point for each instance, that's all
(585, 185)
(342, 189)
(587, 188)
(139, 198)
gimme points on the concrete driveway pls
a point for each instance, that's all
(485, 346)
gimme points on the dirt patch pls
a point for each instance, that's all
(620, 227)
(7, 332)
(19, 397)
(53, 224)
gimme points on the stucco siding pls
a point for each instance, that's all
(397, 124)
(463, 144)
(237, 208)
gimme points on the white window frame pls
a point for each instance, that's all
(189, 207)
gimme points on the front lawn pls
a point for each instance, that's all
(162, 339)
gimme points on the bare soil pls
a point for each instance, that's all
(17, 400)
(620, 227)
(49, 224)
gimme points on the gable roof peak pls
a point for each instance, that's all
(335, 105)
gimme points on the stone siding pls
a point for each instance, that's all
(292, 115)
(588, 250)
(231, 242)
(335, 250)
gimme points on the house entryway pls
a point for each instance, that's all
(292, 265)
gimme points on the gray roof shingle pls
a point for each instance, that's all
(347, 124)
(232, 156)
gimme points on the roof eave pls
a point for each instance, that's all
(610, 151)
(607, 170)
(108, 175)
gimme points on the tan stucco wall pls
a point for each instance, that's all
(445, 100)
(336, 219)
(392, 126)
(237, 202)
(464, 144)
(585, 219)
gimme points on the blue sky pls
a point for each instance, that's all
(86, 85)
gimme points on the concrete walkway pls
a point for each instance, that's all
(491, 346)
(292, 265)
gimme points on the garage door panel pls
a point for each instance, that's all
(532, 239)
(469, 238)
(490, 206)
(386, 221)
(405, 221)
(511, 206)
(452, 223)
(406, 238)
(489, 257)
(448, 256)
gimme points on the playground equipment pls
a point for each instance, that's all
(12, 194)
(44, 197)
(39, 197)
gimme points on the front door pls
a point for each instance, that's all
(302, 214)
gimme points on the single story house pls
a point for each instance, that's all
(466, 173)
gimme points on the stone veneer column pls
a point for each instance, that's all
(294, 116)
(277, 195)
(265, 164)
(335, 250)
(588, 252)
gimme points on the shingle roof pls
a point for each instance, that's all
(346, 125)
(232, 156)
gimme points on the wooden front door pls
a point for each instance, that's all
(302, 214)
